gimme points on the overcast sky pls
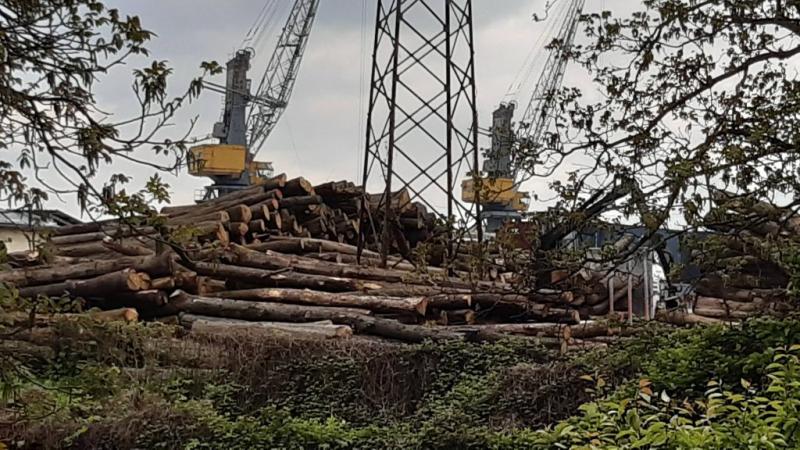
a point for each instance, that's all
(319, 136)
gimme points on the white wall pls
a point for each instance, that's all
(15, 240)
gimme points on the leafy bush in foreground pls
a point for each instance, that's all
(709, 388)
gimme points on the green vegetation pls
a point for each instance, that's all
(143, 387)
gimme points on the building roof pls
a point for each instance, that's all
(41, 218)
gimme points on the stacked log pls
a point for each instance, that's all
(742, 260)
(292, 294)
(281, 258)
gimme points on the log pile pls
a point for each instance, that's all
(295, 295)
(280, 258)
(598, 289)
(278, 207)
(742, 260)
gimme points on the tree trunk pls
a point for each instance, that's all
(126, 280)
(713, 287)
(295, 202)
(17, 320)
(520, 329)
(127, 247)
(240, 213)
(314, 330)
(520, 307)
(754, 305)
(257, 226)
(416, 305)
(257, 311)
(291, 279)
(298, 187)
(684, 318)
(450, 301)
(143, 300)
(152, 265)
(593, 329)
(211, 216)
(250, 258)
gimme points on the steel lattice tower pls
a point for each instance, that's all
(422, 122)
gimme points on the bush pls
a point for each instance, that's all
(714, 388)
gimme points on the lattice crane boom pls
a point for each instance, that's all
(537, 116)
(278, 81)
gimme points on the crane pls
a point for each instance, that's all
(499, 193)
(249, 118)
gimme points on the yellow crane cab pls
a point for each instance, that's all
(225, 160)
(494, 191)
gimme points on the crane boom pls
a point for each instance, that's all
(277, 83)
(537, 114)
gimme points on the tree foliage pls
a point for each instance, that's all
(52, 55)
(696, 96)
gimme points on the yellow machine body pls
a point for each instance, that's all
(260, 171)
(494, 191)
(217, 160)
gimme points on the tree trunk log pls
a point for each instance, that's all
(520, 307)
(684, 318)
(416, 305)
(152, 265)
(519, 329)
(314, 330)
(126, 280)
(296, 202)
(240, 213)
(257, 311)
(24, 320)
(298, 187)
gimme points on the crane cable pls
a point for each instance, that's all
(267, 32)
(538, 53)
(256, 25)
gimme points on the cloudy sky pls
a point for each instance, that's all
(320, 135)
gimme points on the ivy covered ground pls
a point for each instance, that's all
(132, 386)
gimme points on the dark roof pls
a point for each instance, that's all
(39, 218)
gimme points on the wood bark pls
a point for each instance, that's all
(152, 265)
(684, 318)
(126, 280)
(38, 320)
(519, 306)
(520, 329)
(298, 187)
(258, 311)
(240, 213)
(313, 330)
(416, 305)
